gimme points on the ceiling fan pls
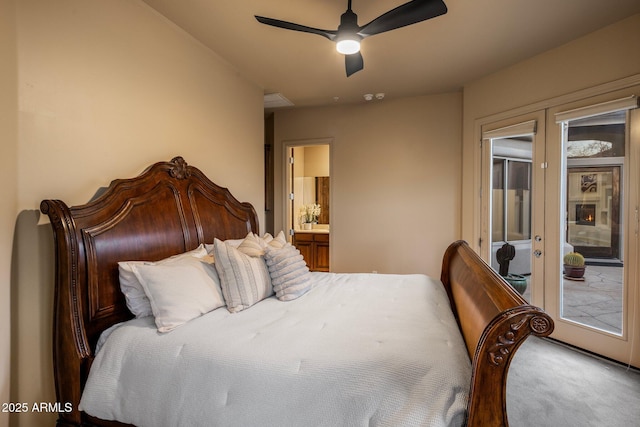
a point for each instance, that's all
(349, 33)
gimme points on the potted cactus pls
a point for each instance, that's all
(573, 265)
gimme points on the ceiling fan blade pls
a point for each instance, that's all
(407, 14)
(353, 63)
(296, 27)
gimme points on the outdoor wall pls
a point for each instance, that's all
(8, 177)
(395, 179)
(601, 57)
(105, 89)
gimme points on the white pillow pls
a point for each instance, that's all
(233, 242)
(179, 291)
(244, 279)
(134, 294)
(289, 273)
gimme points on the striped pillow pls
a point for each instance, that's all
(277, 242)
(245, 280)
(254, 245)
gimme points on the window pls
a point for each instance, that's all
(511, 208)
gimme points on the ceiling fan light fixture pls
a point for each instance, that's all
(349, 34)
(348, 45)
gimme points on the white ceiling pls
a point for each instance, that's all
(475, 38)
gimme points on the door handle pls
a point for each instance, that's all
(537, 253)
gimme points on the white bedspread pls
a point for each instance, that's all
(356, 350)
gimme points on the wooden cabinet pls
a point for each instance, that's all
(314, 247)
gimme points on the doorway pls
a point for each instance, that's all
(595, 178)
(577, 186)
(514, 203)
(308, 201)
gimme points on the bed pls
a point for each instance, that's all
(173, 208)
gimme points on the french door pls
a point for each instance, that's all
(567, 179)
(513, 153)
(592, 208)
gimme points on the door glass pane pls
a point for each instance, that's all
(594, 161)
(497, 198)
(511, 210)
(519, 200)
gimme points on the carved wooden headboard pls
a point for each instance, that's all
(170, 208)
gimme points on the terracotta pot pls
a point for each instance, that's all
(572, 271)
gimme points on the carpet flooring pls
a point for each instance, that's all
(553, 385)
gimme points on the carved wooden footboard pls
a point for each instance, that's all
(171, 208)
(494, 321)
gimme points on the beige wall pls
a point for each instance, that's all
(8, 177)
(601, 57)
(395, 179)
(316, 160)
(106, 88)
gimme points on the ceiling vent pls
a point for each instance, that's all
(276, 100)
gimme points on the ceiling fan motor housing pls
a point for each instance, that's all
(347, 38)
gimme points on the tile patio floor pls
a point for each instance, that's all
(596, 301)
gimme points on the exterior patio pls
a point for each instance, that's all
(596, 301)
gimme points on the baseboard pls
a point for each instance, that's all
(626, 366)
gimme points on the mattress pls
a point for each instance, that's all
(356, 350)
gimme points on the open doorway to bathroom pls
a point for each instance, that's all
(308, 202)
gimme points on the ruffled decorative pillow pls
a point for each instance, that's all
(289, 273)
